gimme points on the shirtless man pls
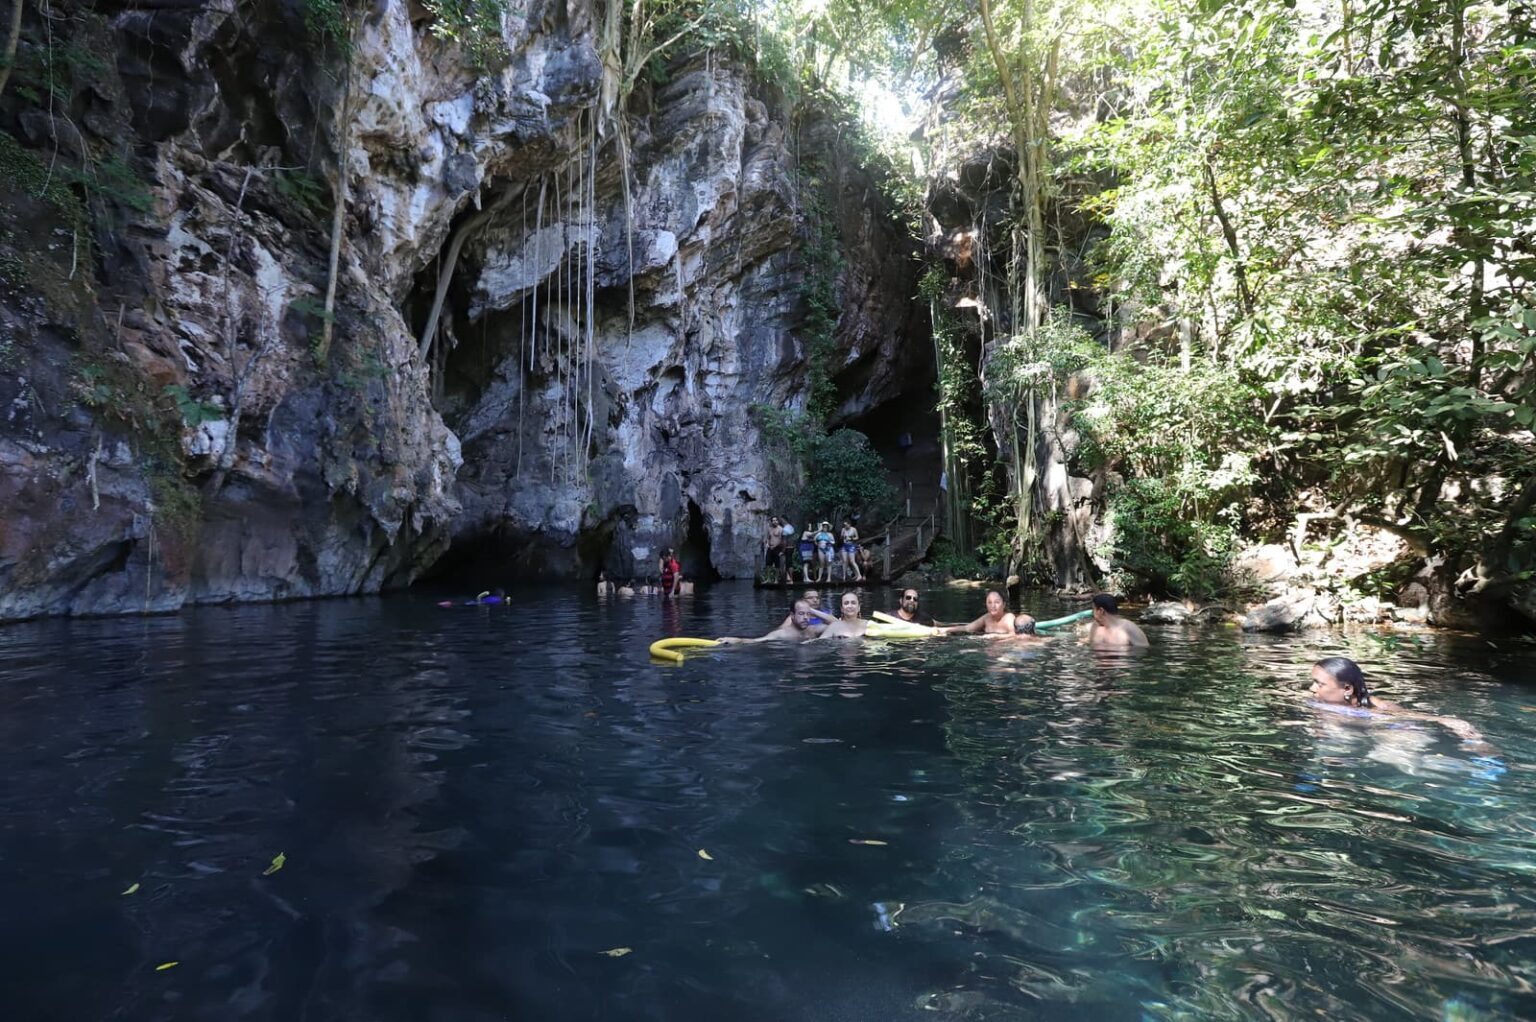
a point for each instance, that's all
(996, 621)
(1024, 629)
(819, 619)
(1111, 631)
(850, 625)
(774, 553)
(796, 628)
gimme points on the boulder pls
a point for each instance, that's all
(1295, 611)
(1169, 613)
(1265, 564)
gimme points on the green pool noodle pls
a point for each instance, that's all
(1057, 622)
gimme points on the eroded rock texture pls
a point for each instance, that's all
(585, 397)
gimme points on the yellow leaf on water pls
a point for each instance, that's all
(131, 888)
(277, 864)
(166, 965)
(616, 952)
(867, 841)
(706, 856)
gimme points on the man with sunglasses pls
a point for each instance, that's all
(907, 609)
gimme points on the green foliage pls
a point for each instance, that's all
(1159, 546)
(363, 367)
(178, 504)
(306, 306)
(473, 25)
(326, 22)
(846, 476)
(947, 559)
(22, 168)
(192, 411)
(303, 189)
(787, 432)
(820, 265)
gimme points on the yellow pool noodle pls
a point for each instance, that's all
(667, 649)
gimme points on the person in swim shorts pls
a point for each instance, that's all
(825, 554)
(850, 551)
(807, 552)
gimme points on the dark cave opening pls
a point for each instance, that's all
(694, 551)
(906, 434)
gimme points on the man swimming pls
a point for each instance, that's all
(819, 618)
(996, 621)
(850, 625)
(1111, 631)
(796, 628)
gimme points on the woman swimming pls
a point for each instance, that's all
(1337, 681)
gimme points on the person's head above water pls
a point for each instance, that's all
(1106, 603)
(1338, 680)
(801, 613)
(909, 599)
(996, 605)
(813, 598)
(1023, 624)
(850, 605)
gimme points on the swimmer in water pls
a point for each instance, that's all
(1024, 629)
(1338, 681)
(996, 621)
(796, 628)
(1111, 631)
(850, 625)
(819, 618)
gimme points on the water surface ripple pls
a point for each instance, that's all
(475, 804)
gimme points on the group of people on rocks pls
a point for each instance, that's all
(816, 553)
(668, 580)
(1338, 684)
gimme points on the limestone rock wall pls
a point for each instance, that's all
(170, 435)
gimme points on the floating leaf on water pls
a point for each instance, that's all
(277, 863)
(867, 841)
(822, 741)
(166, 965)
(706, 856)
(131, 888)
(616, 952)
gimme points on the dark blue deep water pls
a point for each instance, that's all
(473, 805)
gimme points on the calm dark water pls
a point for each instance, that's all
(473, 805)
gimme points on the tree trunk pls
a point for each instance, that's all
(339, 219)
(13, 37)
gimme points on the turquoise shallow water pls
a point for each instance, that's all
(474, 804)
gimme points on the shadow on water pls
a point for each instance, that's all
(475, 804)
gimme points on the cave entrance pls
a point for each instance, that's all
(693, 552)
(905, 433)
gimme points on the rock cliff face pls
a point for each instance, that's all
(584, 396)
